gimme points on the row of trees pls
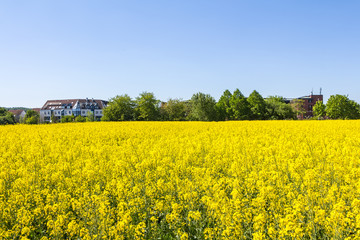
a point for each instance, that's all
(231, 106)
(201, 107)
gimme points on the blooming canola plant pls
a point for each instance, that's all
(180, 180)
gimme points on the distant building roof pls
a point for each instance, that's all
(16, 112)
(36, 109)
(84, 103)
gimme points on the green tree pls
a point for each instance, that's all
(298, 107)
(257, 106)
(319, 110)
(240, 107)
(147, 107)
(119, 108)
(6, 117)
(32, 117)
(223, 107)
(277, 109)
(22, 120)
(202, 107)
(341, 107)
(90, 116)
(354, 110)
(175, 110)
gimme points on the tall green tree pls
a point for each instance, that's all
(278, 109)
(202, 107)
(32, 117)
(223, 107)
(341, 107)
(6, 117)
(257, 106)
(119, 108)
(240, 108)
(147, 107)
(319, 109)
(176, 110)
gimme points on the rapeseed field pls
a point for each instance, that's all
(181, 180)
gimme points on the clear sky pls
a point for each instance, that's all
(175, 48)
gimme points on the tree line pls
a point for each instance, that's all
(203, 107)
(230, 106)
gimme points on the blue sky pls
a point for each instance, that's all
(100, 49)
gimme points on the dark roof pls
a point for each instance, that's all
(16, 112)
(58, 104)
(36, 109)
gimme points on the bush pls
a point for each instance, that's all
(6, 117)
(80, 119)
(66, 119)
(32, 117)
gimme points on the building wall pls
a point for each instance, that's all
(45, 115)
(309, 104)
(22, 115)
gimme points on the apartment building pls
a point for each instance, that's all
(69, 107)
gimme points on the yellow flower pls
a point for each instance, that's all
(218, 180)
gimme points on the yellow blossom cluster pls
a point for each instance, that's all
(181, 180)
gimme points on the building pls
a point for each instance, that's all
(308, 103)
(72, 107)
(19, 114)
